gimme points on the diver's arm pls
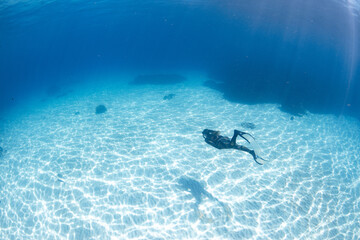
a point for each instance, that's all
(208, 141)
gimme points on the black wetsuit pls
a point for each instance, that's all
(220, 142)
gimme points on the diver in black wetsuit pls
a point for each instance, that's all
(220, 142)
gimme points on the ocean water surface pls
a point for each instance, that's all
(103, 105)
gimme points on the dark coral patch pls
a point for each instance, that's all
(248, 125)
(169, 96)
(100, 109)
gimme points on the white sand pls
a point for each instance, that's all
(115, 175)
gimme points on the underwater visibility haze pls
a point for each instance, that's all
(104, 105)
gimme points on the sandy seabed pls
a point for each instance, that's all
(68, 173)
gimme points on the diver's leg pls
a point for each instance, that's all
(233, 139)
(252, 152)
(245, 149)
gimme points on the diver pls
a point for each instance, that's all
(220, 142)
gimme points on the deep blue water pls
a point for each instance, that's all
(122, 159)
(301, 54)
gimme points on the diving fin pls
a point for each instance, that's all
(251, 140)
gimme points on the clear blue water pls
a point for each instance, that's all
(287, 72)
